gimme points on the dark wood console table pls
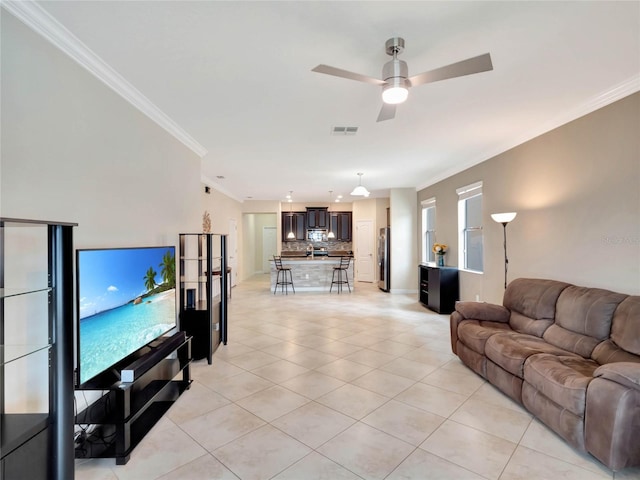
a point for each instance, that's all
(439, 289)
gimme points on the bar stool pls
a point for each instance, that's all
(340, 269)
(284, 283)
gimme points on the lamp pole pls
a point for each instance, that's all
(504, 219)
(506, 260)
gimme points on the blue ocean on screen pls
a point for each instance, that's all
(111, 335)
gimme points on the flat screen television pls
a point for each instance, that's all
(126, 299)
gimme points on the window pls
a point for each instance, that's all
(470, 227)
(428, 229)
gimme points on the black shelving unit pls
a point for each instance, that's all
(121, 417)
(439, 288)
(204, 283)
(36, 349)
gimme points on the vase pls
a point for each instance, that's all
(440, 260)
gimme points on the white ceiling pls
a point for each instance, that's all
(237, 77)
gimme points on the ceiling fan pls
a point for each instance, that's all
(395, 75)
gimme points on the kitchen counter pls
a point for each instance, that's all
(311, 274)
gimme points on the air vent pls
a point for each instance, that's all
(344, 131)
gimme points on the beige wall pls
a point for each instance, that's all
(404, 260)
(222, 210)
(577, 193)
(73, 150)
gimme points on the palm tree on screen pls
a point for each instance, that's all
(168, 269)
(150, 279)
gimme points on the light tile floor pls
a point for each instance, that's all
(349, 386)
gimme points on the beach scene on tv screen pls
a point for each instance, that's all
(126, 300)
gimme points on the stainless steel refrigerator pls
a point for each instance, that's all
(384, 259)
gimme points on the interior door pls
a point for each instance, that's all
(269, 247)
(232, 251)
(364, 261)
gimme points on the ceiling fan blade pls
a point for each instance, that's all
(387, 112)
(481, 63)
(338, 72)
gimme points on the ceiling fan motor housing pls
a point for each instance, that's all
(395, 69)
(395, 72)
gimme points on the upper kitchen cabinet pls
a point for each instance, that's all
(341, 225)
(295, 222)
(317, 217)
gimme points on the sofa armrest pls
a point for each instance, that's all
(483, 311)
(624, 373)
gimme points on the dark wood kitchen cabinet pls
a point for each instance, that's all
(340, 225)
(317, 217)
(296, 222)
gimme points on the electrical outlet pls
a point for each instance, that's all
(477, 298)
(306, 276)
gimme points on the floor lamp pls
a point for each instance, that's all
(504, 218)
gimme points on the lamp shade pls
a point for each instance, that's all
(360, 191)
(503, 217)
(291, 235)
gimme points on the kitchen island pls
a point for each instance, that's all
(312, 274)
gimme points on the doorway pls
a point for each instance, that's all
(232, 251)
(269, 247)
(364, 251)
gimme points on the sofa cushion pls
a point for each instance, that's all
(583, 319)
(563, 379)
(511, 350)
(566, 424)
(625, 328)
(474, 333)
(531, 301)
(609, 352)
(482, 311)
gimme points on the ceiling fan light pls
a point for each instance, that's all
(394, 94)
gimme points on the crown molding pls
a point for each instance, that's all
(40, 21)
(615, 93)
(219, 188)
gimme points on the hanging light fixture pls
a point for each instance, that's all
(360, 191)
(290, 235)
(330, 234)
(395, 73)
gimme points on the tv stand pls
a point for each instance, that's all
(128, 410)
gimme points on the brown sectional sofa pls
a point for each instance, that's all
(569, 354)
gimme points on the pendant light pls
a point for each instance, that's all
(360, 191)
(330, 234)
(290, 235)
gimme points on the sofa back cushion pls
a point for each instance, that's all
(625, 328)
(583, 319)
(532, 303)
(609, 352)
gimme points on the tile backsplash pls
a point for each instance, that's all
(300, 246)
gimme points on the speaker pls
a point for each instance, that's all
(150, 359)
(191, 298)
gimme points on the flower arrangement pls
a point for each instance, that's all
(440, 248)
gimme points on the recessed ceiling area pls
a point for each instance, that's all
(237, 77)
